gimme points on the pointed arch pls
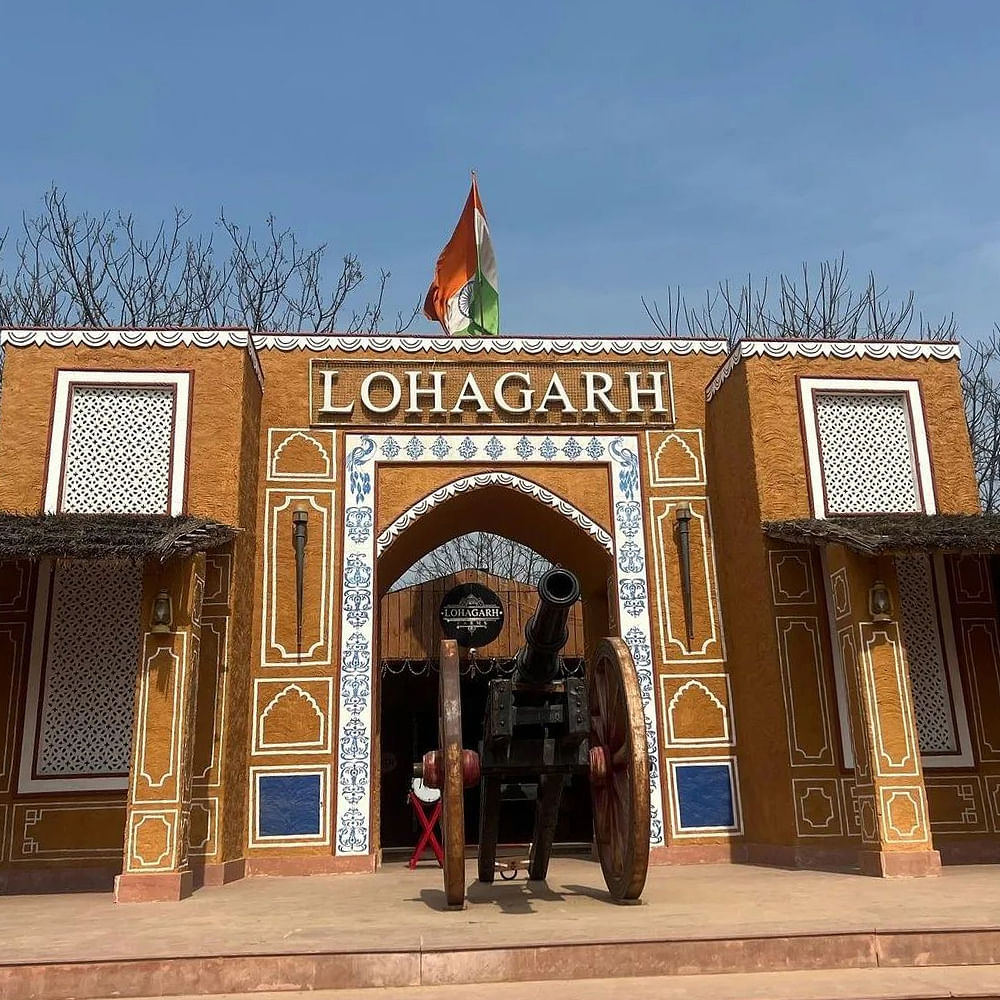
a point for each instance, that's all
(481, 481)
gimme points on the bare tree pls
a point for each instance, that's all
(67, 269)
(477, 550)
(807, 307)
(980, 375)
(826, 307)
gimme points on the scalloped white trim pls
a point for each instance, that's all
(649, 346)
(480, 481)
(842, 349)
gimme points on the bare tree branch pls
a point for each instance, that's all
(69, 269)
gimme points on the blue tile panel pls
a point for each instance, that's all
(705, 796)
(289, 804)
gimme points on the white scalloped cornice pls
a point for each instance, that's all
(625, 347)
(841, 349)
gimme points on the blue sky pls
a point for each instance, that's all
(620, 147)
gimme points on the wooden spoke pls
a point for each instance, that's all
(452, 786)
(621, 799)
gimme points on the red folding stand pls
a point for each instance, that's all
(428, 835)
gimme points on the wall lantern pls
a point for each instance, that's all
(683, 516)
(879, 602)
(163, 612)
(300, 535)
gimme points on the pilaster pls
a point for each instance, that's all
(888, 798)
(157, 829)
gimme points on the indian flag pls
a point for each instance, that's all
(464, 295)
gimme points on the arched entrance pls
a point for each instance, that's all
(518, 509)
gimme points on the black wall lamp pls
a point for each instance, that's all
(683, 516)
(880, 602)
(300, 535)
(163, 613)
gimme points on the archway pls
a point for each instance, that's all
(519, 510)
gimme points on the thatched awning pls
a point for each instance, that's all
(108, 536)
(874, 534)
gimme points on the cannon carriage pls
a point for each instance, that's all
(539, 729)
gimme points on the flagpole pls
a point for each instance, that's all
(479, 269)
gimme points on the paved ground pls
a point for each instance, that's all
(850, 984)
(398, 909)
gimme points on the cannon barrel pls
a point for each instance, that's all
(546, 633)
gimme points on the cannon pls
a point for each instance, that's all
(539, 729)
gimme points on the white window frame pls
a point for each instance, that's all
(67, 381)
(909, 389)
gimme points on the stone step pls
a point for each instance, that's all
(977, 982)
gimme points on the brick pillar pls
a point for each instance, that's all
(887, 800)
(157, 830)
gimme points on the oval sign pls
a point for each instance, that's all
(471, 614)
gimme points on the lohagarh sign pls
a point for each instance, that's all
(527, 393)
(471, 614)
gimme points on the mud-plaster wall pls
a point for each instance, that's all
(83, 838)
(748, 615)
(772, 386)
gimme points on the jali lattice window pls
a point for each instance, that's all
(866, 452)
(87, 684)
(119, 450)
(932, 698)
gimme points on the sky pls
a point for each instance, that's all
(620, 148)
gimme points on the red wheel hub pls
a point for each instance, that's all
(600, 765)
(433, 768)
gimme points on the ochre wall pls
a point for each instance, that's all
(76, 838)
(779, 449)
(217, 389)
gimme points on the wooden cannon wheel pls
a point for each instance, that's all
(619, 770)
(452, 785)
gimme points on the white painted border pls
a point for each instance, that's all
(684, 832)
(33, 812)
(219, 699)
(904, 387)
(801, 786)
(138, 815)
(210, 803)
(676, 433)
(780, 597)
(839, 676)
(666, 704)
(322, 838)
(782, 626)
(262, 749)
(308, 434)
(667, 637)
(66, 380)
(268, 639)
(181, 672)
